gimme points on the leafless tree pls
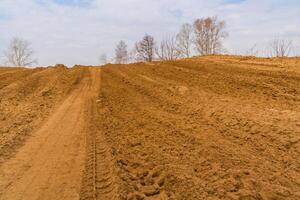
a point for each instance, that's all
(19, 53)
(280, 47)
(121, 53)
(103, 59)
(209, 33)
(167, 50)
(253, 51)
(132, 55)
(184, 40)
(145, 48)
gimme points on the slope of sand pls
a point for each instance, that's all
(216, 127)
(50, 164)
(27, 97)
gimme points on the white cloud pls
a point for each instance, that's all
(79, 33)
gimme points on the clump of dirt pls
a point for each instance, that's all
(60, 66)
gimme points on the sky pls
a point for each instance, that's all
(79, 31)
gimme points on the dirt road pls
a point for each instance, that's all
(216, 127)
(51, 163)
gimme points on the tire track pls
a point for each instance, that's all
(99, 178)
(99, 182)
(104, 179)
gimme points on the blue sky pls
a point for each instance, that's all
(78, 31)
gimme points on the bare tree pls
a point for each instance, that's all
(121, 53)
(253, 51)
(167, 50)
(209, 33)
(19, 53)
(132, 54)
(145, 48)
(184, 40)
(103, 59)
(280, 47)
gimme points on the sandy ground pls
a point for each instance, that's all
(51, 162)
(217, 127)
(27, 98)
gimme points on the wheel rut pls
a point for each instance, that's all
(51, 163)
(99, 177)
